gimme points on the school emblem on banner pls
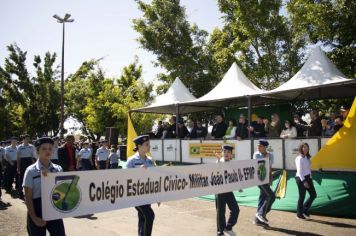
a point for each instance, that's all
(66, 194)
(261, 171)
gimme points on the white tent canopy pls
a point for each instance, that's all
(166, 103)
(231, 90)
(317, 79)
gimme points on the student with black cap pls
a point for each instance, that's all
(11, 158)
(26, 155)
(84, 157)
(102, 156)
(36, 226)
(223, 199)
(267, 196)
(141, 160)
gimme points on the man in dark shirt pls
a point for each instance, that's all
(298, 119)
(66, 155)
(182, 130)
(314, 128)
(159, 129)
(198, 131)
(257, 128)
(241, 128)
(219, 128)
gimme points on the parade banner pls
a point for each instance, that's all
(206, 150)
(80, 193)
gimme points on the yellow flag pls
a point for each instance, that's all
(282, 185)
(337, 153)
(131, 134)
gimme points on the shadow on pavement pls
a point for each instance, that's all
(4, 205)
(291, 232)
(335, 224)
(90, 217)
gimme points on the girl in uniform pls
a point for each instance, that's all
(304, 182)
(113, 158)
(36, 226)
(141, 160)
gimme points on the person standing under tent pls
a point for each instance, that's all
(231, 130)
(267, 196)
(11, 158)
(304, 182)
(84, 157)
(26, 155)
(219, 128)
(141, 160)
(54, 158)
(102, 156)
(36, 226)
(228, 198)
(113, 158)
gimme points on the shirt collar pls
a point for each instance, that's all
(39, 166)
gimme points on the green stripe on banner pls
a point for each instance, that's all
(336, 194)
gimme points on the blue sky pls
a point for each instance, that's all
(101, 29)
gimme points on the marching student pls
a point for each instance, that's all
(304, 182)
(102, 156)
(113, 158)
(84, 157)
(141, 160)
(54, 158)
(267, 196)
(228, 198)
(25, 155)
(11, 158)
(36, 226)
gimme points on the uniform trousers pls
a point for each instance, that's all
(11, 173)
(102, 165)
(54, 227)
(114, 165)
(266, 199)
(24, 163)
(146, 217)
(86, 165)
(221, 200)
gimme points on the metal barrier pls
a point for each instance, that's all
(284, 150)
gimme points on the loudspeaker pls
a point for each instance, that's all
(112, 135)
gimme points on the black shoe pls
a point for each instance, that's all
(300, 217)
(306, 215)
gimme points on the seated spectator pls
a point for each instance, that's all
(241, 128)
(298, 119)
(338, 124)
(219, 128)
(289, 130)
(314, 128)
(159, 131)
(231, 129)
(198, 131)
(182, 130)
(344, 110)
(273, 128)
(257, 128)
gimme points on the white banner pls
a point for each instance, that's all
(85, 192)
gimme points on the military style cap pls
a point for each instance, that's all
(141, 139)
(13, 138)
(228, 147)
(43, 140)
(85, 142)
(344, 108)
(263, 142)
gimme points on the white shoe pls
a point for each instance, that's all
(261, 218)
(230, 232)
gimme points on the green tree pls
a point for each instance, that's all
(332, 23)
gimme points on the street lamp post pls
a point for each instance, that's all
(65, 19)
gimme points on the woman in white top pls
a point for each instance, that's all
(289, 131)
(231, 129)
(304, 181)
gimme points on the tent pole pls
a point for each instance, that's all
(249, 113)
(177, 118)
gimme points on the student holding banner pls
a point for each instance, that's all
(223, 199)
(36, 226)
(267, 196)
(141, 160)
